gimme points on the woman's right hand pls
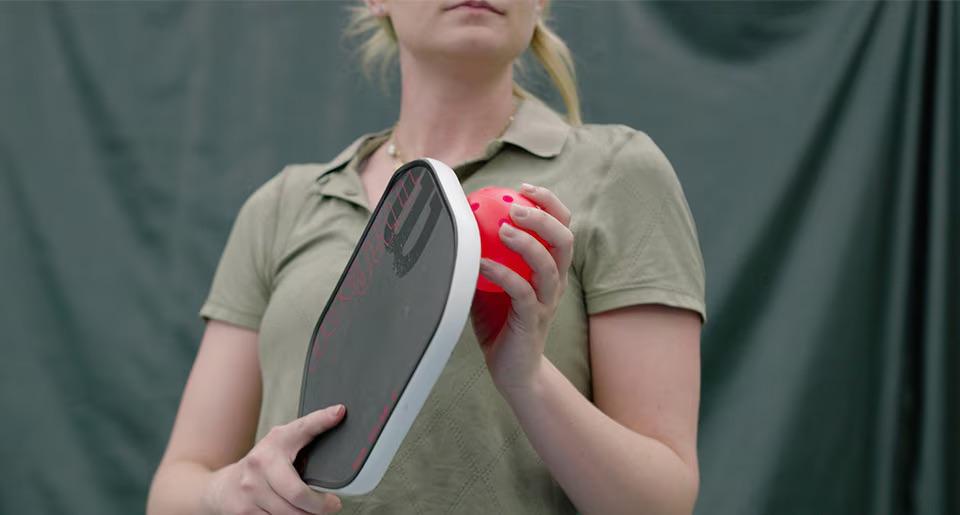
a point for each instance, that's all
(264, 481)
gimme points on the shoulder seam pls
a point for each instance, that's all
(589, 202)
(276, 227)
(298, 197)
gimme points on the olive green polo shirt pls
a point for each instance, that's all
(635, 243)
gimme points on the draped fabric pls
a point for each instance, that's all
(817, 144)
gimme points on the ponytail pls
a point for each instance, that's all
(556, 59)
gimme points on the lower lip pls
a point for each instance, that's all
(475, 8)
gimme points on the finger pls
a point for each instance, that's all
(275, 505)
(285, 482)
(523, 299)
(558, 236)
(547, 201)
(546, 277)
(294, 435)
(332, 503)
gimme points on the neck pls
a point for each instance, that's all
(449, 113)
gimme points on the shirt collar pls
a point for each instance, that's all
(351, 151)
(348, 186)
(536, 128)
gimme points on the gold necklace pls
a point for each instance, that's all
(393, 150)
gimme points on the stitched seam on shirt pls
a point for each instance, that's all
(648, 229)
(411, 490)
(493, 496)
(657, 218)
(644, 238)
(639, 287)
(271, 250)
(279, 251)
(401, 459)
(594, 193)
(458, 439)
(546, 503)
(235, 311)
(438, 416)
(486, 470)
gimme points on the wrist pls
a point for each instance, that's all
(528, 389)
(212, 492)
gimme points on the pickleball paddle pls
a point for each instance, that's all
(389, 326)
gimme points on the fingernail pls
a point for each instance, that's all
(529, 188)
(518, 211)
(340, 409)
(507, 231)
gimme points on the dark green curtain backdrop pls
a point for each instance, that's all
(817, 144)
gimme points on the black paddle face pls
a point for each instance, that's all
(378, 323)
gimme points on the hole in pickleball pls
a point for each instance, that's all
(507, 198)
(475, 206)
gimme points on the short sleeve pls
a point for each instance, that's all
(638, 241)
(242, 282)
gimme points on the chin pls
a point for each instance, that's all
(477, 44)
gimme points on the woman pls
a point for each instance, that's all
(587, 398)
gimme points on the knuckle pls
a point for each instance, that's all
(544, 311)
(517, 241)
(247, 483)
(533, 245)
(537, 216)
(529, 295)
(520, 285)
(554, 275)
(254, 460)
(285, 490)
(300, 496)
(298, 426)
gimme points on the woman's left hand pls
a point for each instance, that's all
(512, 327)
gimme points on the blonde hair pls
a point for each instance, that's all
(379, 50)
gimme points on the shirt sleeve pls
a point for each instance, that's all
(639, 243)
(243, 279)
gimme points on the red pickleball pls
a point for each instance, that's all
(491, 208)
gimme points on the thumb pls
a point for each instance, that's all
(300, 431)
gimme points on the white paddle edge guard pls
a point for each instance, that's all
(466, 270)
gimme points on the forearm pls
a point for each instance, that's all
(602, 466)
(181, 488)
